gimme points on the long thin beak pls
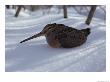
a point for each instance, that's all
(32, 37)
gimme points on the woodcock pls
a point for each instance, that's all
(59, 35)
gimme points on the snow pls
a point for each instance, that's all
(37, 56)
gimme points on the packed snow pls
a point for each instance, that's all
(37, 56)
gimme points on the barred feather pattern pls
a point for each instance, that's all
(66, 37)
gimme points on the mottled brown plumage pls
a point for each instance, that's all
(59, 35)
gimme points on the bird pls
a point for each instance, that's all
(60, 35)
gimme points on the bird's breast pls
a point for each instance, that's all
(52, 40)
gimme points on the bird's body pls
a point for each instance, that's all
(59, 35)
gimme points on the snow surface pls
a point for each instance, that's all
(36, 55)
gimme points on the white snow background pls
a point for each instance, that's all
(37, 56)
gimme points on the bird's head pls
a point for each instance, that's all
(45, 30)
(48, 27)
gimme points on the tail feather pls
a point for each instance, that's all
(87, 31)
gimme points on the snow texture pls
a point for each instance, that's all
(37, 56)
